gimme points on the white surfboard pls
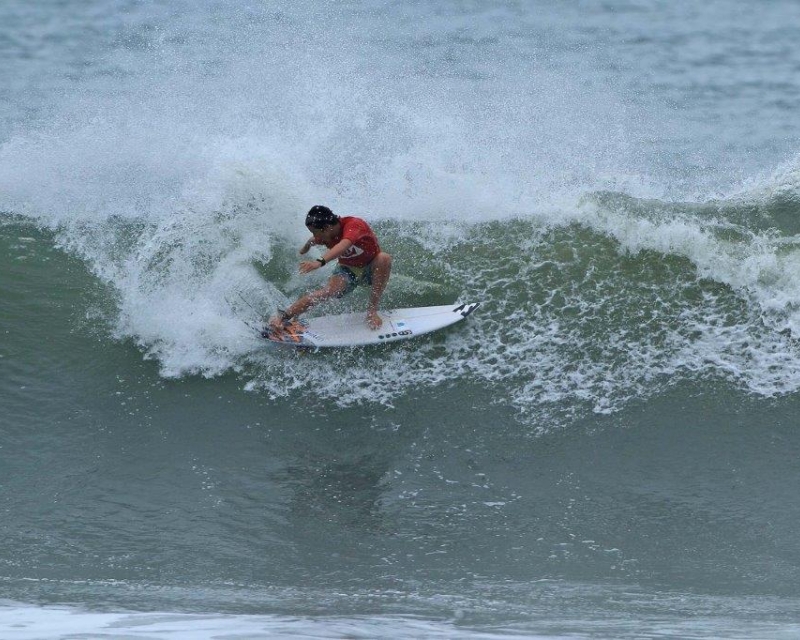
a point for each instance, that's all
(351, 330)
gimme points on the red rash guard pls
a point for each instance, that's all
(365, 242)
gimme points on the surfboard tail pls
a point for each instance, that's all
(290, 332)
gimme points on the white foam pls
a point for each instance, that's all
(691, 616)
(21, 622)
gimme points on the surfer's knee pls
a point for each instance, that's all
(383, 261)
(321, 295)
(336, 287)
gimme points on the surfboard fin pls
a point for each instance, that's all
(466, 309)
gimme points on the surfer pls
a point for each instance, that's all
(352, 242)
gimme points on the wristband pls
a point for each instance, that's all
(322, 261)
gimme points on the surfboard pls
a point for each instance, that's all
(351, 330)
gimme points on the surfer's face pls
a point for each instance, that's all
(325, 235)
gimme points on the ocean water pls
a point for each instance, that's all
(608, 448)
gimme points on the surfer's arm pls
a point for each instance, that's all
(309, 243)
(331, 254)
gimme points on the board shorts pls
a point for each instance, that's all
(355, 276)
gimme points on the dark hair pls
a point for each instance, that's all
(319, 217)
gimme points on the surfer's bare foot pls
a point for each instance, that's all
(374, 320)
(279, 319)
